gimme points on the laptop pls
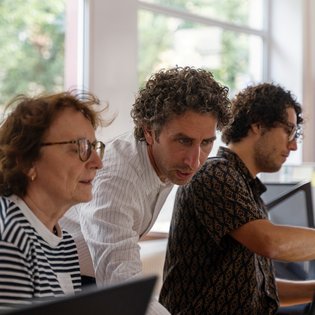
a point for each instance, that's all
(128, 298)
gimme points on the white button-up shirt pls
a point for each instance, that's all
(128, 196)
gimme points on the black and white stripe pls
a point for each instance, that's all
(32, 265)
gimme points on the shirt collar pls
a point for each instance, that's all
(239, 165)
(150, 177)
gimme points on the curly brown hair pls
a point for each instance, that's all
(22, 132)
(266, 104)
(172, 92)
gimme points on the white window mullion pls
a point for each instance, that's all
(185, 15)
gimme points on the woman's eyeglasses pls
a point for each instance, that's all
(84, 147)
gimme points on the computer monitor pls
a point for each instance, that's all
(291, 203)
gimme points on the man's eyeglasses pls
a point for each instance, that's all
(84, 147)
(293, 132)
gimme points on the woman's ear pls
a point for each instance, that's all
(32, 174)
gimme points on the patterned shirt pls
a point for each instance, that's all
(207, 271)
(34, 263)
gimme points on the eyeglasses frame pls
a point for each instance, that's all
(293, 131)
(91, 145)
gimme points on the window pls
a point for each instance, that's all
(224, 37)
(242, 12)
(33, 36)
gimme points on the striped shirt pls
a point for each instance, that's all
(34, 263)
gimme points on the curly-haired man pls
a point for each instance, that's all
(176, 116)
(221, 242)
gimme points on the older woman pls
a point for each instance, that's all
(48, 159)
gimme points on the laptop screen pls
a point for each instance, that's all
(128, 298)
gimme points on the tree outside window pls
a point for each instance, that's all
(233, 56)
(32, 36)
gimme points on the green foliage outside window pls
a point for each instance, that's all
(32, 36)
(156, 36)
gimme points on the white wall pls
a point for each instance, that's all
(112, 61)
(309, 80)
(287, 44)
(286, 51)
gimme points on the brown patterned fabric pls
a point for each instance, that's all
(206, 271)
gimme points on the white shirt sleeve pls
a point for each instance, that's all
(127, 198)
(110, 225)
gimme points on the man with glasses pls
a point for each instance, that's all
(221, 241)
(176, 116)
